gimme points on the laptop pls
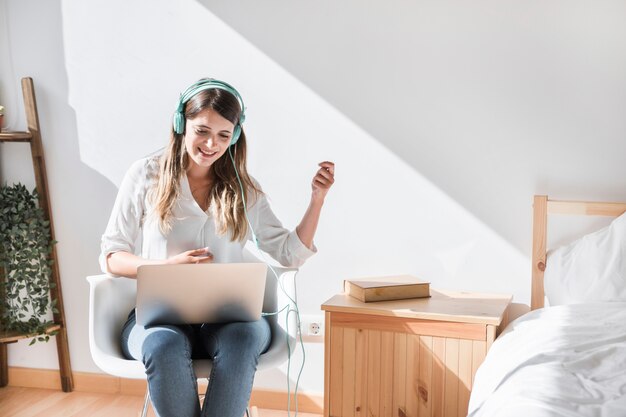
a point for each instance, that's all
(200, 293)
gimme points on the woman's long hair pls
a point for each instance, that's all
(225, 197)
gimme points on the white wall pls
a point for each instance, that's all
(444, 118)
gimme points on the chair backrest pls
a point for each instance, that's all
(277, 296)
(111, 299)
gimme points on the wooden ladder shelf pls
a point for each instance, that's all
(33, 136)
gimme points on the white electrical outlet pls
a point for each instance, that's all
(312, 327)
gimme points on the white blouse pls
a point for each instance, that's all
(192, 228)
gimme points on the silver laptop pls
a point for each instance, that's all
(200, 293)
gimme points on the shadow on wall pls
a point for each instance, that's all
(492, 102)
(81, 199)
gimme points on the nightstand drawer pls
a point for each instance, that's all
(412, 326)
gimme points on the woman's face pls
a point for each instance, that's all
(207, 137)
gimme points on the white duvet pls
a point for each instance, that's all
(565, 360)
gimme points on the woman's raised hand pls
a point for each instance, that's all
(195, 256)
(322, 181)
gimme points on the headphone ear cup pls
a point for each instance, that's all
(179, 122)
(236, 134)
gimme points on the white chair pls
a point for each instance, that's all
(110, 300)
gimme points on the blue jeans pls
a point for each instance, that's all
(167, 353)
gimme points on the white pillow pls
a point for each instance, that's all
(590, 269)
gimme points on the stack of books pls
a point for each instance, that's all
(397, 287)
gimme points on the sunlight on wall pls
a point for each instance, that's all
(128, 61)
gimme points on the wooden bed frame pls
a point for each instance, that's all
(541, 208)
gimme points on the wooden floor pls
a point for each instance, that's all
(34, 402)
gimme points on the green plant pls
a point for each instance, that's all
(25, 263)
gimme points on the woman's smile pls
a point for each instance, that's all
(207, 154)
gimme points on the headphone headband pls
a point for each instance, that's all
(207, 84)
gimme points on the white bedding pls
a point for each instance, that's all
(565, 360)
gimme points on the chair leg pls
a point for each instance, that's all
(144, 412)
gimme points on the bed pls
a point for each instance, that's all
(568, 359)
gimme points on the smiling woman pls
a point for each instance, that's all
(195, 204)
(212, 119)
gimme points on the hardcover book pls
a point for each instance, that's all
(397, 287)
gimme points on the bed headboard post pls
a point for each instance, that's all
(541, 208)
(540, 221)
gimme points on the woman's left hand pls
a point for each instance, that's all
(323, 180)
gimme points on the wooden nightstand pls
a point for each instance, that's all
(408, 358)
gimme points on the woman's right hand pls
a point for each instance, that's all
(195, 256)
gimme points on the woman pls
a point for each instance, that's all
(196, 203)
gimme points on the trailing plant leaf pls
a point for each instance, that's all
(25, 264)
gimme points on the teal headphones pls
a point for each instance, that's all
(207, 84)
